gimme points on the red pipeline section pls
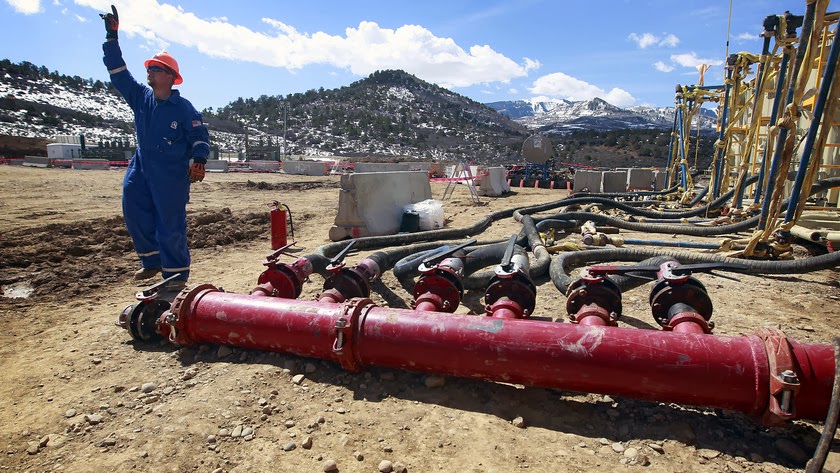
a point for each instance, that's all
(764, 375)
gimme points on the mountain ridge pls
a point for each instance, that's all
(389, 114)
(564, 116)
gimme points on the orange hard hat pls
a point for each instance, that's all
(166, 60)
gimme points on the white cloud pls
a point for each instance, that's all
(361, 50)
(691, 60)
(643, 40)
(747, 37)
(670, 41)
(531, 64)
(560, 85)
(27, 7)
(619, 97)
(662, 67)
(646, 40)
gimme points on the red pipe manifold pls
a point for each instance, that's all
(764, 375)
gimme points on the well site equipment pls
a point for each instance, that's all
(765, 374)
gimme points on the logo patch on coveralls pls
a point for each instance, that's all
(173, 125)
(196, 123)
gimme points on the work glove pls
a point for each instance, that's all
(197, 172)
(112, 23)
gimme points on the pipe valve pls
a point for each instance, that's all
(593, 299)
(440, 286)
(348, 283)
(280, 279)
(511, 293)
(141, 319)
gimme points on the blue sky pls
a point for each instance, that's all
(626, 52)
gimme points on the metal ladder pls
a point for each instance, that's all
(462, 171)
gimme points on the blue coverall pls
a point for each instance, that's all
(156, 187)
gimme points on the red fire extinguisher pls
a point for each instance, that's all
(278, 225)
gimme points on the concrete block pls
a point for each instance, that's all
(493, 183)
(614, 181)
(264, 165)
(372, 204)
(306, 168)
(587, 181)
(37, 161)
(381, 167)
(639, 179)
(217, 165)
(419, 166)
(91, 164)
(659, 180)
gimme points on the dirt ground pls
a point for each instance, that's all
(79, 395)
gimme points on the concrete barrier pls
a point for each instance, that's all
(659, 180)
(493, 183)
(371, 204)
(37, 161)
(381, 167)
(639, 179)
(306, 168)
(419, 166)
(614, 181)
(264, 165)
(91, 164)
(216, 165)
(587, 181)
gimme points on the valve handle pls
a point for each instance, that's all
(709, 267)
(339, 258)
(154, 288)
(279, 251)
(434, 259)
(677, 270)
(508, 256)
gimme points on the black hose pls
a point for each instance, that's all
(388, 259)
(640, 278)
(696, 200)
(658, 227)
(561, 264)
(830, 428)
(555, 224)
(291, 223)
(633, 210)
(412, 262)
(536, 268)
(321, 257)
(669, 190)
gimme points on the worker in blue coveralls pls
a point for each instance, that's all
(172, 149)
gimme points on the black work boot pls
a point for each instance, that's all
(145, 273)
(170, 290)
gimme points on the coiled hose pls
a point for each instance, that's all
(642, 212)
(537, 267)
(819, 186)
(561, 264)
(320, 258)
(830, 428)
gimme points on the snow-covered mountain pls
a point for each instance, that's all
(43, 107)
(562, 116)
(388, 114)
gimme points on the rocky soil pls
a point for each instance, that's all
(79, 395)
